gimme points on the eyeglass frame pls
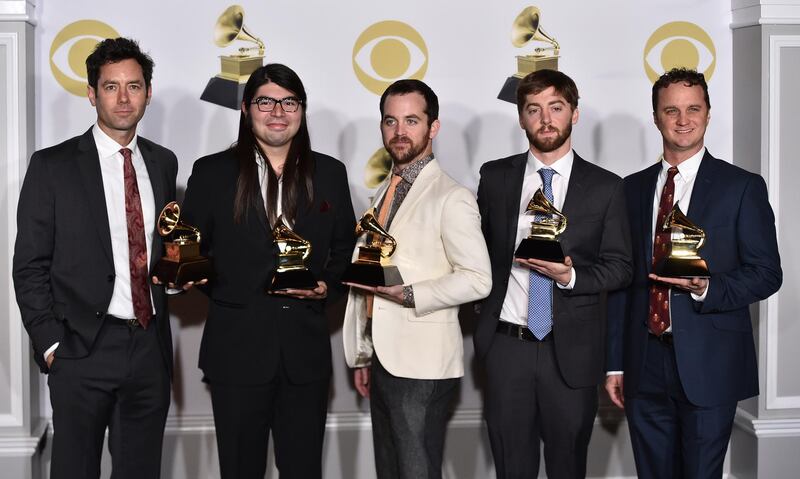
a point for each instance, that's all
(277, 102)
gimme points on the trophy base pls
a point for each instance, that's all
(224, 92)
(682, 268)
(372, 274)
(509, 91)
(547, 250)
(184, 271)
(293, 279)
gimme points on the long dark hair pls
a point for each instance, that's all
(298, 169)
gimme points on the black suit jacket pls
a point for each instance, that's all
(248, 333)
(63, 265)
(597, 240)
(714, 349)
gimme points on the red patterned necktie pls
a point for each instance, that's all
(137, 246)
(658, 318)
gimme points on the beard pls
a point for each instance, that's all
(400, 157)
(550, 144)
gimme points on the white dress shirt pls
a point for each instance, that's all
(515, 304)
(111, 169)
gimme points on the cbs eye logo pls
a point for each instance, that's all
(388, 51)
(679, 44)
(70, 48)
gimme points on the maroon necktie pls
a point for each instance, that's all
(137, 246)
(658, 317)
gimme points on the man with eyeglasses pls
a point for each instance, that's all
(267, 357)
(86, 241)
(404, 341)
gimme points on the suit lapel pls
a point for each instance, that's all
(701, 192)
(426, 177)
(648, 192)
(514, 176)
(158, 186)
(89, 167)
(576, 195)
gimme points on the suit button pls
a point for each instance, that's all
(110, 278)
(98, 314)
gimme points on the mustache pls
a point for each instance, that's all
(399, 139)
(548, 129)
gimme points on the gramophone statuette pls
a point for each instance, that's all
(369, 268)
(291, 271)
(183, 262)
(542, 242)
(683, 261)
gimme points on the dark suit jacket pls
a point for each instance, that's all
(63, 266)
(596, 239)
(713, 340)
(248, 333)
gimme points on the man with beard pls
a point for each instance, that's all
(405, 341)
(542, 330)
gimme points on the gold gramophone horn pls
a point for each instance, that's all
(378, 167)
(676, 219)
(230, 27)
(288, 240)
(369, 224)
(169, 221)
(539, 204)
(527, 27)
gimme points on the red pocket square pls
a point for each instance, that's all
(325, 206)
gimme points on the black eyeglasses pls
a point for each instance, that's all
(289, 104)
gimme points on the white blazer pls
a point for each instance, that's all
(441, 252)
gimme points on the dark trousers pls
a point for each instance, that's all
(409, 421)
(527, 401)
(123, 384)
(671, 437)
(244, 415)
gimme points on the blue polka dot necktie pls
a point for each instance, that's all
(540, 287)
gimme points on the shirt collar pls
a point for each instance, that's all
(412, 171)
(562, 166)
(687, 169)
(108, 147)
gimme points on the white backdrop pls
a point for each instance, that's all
(469, 55)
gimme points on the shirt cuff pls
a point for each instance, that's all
(49, 350)
(571, 283)
(702, 297)
(614, 373)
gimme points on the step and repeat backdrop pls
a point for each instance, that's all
(348, 52)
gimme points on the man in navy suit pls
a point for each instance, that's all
(684, 346)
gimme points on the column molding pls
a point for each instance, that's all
(16, 339)
(747, 13)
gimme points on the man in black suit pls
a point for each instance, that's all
(86, 241)
(267, 357)
(542, 330)
(685, 344)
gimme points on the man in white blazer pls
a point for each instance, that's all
(407, 351)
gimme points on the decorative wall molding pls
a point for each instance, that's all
(24, 445)
(11, 121)
(769, 309)
(17, 11)
(753, 12)
(767, 428)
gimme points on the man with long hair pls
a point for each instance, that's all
(86, 242)
(267, 357)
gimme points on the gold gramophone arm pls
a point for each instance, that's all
(562, 223)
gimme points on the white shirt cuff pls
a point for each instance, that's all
(49, 350)
(571, 283)
(702, 297)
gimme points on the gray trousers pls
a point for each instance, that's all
(409, 421)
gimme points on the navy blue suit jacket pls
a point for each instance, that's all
(713, 339)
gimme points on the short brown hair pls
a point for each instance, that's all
(538, 81)
(680, 75)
